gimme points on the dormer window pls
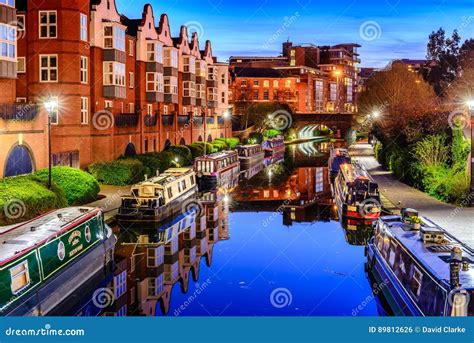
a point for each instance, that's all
(114, 37)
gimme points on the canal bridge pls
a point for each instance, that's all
(306, 124)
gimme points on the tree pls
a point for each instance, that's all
(443, 52)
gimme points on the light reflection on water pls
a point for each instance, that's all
(271, 247)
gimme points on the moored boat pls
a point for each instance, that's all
(219, 170)
(159, 197)
(274, 146)
(356, 194)
(337, 157)
(46, 259)
(420, 269)
(250, 155)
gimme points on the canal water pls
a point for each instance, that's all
(271, 247)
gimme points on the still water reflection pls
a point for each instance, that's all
(273, 246)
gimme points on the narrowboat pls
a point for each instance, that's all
(251, 172)
(219, 170)
(356, 194)
(274, 146)
(44, 260)
(250, 155)
(420, 268)
(160, 197)
(337, 157)
(275, 159)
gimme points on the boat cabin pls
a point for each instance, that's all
(215, 163)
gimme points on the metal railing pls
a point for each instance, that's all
(18, 111)
(126, 119)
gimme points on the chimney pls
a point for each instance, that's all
(454, 264)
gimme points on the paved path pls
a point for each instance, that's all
(458, 221)
(110, 199)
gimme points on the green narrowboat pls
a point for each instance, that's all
(44, 260)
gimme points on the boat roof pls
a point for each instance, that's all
(433, 256)
(354, 171)
(17, 239)
(217, 155)
(168, 176)
(248, 146)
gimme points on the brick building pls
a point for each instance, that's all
(309, 78)
(123, 85)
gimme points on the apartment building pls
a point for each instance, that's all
(309, 78)
(123, 85)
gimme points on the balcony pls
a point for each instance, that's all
(183, 120)
(151, 120)
(114, 55)
(115, 92)
(198, 120)
(154, 67)
(155, 97)
(126, 120)
(18, 111)
(167, 120)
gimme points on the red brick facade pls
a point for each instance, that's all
(96, 62)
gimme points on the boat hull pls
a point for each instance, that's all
(55, 290)
(149, 214)
(249, 162)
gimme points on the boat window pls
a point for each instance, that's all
(183, 186)
(392, 255)
(170, 193)
(20, 276)
(191, 178)
(151, 260)
(416, 281)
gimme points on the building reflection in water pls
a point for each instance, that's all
(150, 260)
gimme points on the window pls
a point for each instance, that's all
(131, 80)
(275, 95)
(201, 68)
(84, 110)
(10, 3)
(21, 66)
(122, 312)
(189, 89)
(170, 193)
(243, 83)
(171, 85)
(154, 257)
(266, 95)
(120, 284)
(223, 79)
(332, 92)
(20, 22)
(54, 114)
(83, 29)
(349, 90)
(170, 58)
(255, 95)
(319, 95)
(149, 109)
(276, 84)
(256, 83)
(212, 94)
(20, 277)
(165, 109)
(114, 38)
(114, 74)
(154, 52)
(48, 24)
(266, 83)
(48, 68)
(223, 97)
(131, 107)
(154, 82)
(109, 104)
(7, 42)
(21, 100)
(189, 64)
(131, 47)
(200, 91)
(84, 70)
(146, 145)
(288, 83)
(415, 285)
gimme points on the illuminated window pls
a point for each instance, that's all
(21, 66)
(20, 277)
(120, 284)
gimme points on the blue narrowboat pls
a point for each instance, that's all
(419, 268)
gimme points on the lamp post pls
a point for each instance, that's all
(50, 106)
(470, 105)
(226, 117)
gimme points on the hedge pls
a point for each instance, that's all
(25, 197)
(79, 187)
(119, 173)
(155, 161)
(183, 153)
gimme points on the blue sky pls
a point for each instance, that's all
(386, 29)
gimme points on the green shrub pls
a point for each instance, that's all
(119, 173)
(272, 133)
(208, 146)
(183, 153)
(255, 138)
(25, 197)
(78, 186)
(155, 161)
(230, 142)
(445, 183)
(196, 150)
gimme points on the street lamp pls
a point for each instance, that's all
(51, 107)
(470, 105)
(376, 114)
(226, 115)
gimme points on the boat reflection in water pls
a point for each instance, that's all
(357, 231)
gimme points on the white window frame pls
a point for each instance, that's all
(170, 57)
(19, 27)
(155, 85)
(149, 109)
(21, 100)
(171, 85)
(165, 109)
(8, 39)
(120, 284)
(83, 29)
(131, 80)
(189, 89)
(84, 68)
(189, 64)
(154, 52)
(131, 47)
(9, 3)
(48, 24)
(48, 68)
(117, 73)
(117, 37)
(84, 110)
(18, 65)
(25, 271)
(131, 107)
